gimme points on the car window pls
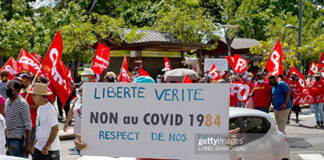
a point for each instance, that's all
(234, 123)
(256, 125)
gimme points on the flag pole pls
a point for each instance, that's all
(121, 69)
(34, 79)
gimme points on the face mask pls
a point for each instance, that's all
(249, 78)
(158, 81)
(261, 81)
(9, 93)
(85, 79)
(4, 79)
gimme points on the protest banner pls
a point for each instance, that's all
(152, 120)
(220, 63)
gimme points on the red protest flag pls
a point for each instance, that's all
(313, 68)
(57, 72)
(321, 60)
(11, 67)
(187, 79)
(123, 75)
(301, 79)
(142, 72)
(54, 53)
(230, 60)
(70, 75)
(167, 65)
(213, 74)
(101, 59)
(27, 62)
(38, 57)
(274, 64)
(240, 64)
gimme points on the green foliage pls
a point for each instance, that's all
(84, 23)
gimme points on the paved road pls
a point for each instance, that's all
(306, 141)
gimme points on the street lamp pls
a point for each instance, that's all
(299, 43)
(299, 32)
(229, 41)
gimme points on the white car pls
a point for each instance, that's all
(262, 139)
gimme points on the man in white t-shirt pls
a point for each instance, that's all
(2, 135)
(47, 141)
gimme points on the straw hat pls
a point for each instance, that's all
(87, 71)
(40, 89)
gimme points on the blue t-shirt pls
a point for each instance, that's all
(279, 95)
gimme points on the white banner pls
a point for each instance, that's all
(220, 63)
(152, 120)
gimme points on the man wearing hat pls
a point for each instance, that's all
(88, 75)
(25, 87)
(47, 144)
(317, 87)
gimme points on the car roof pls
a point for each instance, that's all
(243, 112)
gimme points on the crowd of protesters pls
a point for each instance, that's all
(30, 121)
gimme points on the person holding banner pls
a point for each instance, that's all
(75, 111)
(296, 89)
(262, 94)
(281, 101)
(317, 88)
(47, 144)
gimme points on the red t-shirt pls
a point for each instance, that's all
(317, 87)
(30, 101)
(262, 94)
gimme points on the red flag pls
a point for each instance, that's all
(242, 91)
(230, 60)
(70, 75)
(11, 67)
(301, 79)
(321, 60)
(142, 72)
(274, 64)
(57, 72)
(213, 74)
(38, 57)
(167, 64)
(101, 59)
(27, 62)
(238, 63)
(187, 79)
(123, 75)
(313, 69)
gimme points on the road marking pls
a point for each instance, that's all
(311, 156)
